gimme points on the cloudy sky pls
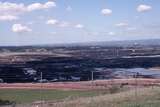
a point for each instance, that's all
(26, 22)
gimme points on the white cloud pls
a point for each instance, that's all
(64, 24)
(18, 28)
(143, 8)
(122, 24)
(80, 26)
(106, 12)
(34, 6)
(38, 6)
(49, 4)
(111, 33)
(52, 22)
(69, 8)
(10, 11)
(11, 8)
(15, 8)
(8, 18)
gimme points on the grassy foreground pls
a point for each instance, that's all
(145, 97)
(22, 96)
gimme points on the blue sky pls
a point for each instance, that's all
(26, 22)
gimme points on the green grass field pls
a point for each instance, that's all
(28, 96)
(146, 97)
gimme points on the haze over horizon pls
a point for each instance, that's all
(27, 22)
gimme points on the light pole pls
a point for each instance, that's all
(41, 88)
(92, 75)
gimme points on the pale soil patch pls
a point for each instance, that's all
(155, 69)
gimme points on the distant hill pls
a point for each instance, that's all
(146, 42)
(125, 43)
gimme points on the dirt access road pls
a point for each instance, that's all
(84, 85)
